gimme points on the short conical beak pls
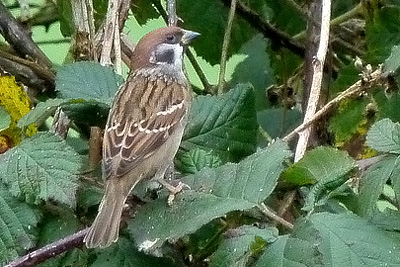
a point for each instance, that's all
(189, 36)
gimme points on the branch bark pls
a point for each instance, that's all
(50, 250)
(317, 75)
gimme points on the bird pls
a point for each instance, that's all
(144, 126)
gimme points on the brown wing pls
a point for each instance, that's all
(145, 113)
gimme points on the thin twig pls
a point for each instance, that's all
(172, 17)
(336, 21)
(279, 38)
(355, 89)
(225, 47)
(318, 68)
(272, 215)
(109, 28)
(50, 250)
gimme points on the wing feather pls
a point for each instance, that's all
(144, 114)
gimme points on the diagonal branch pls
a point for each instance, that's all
(278, 37)
(19, 38)
(49, 251)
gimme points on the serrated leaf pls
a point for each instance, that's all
(262, 75)
(372, 182)
(87, 80)
(64, 8)
(392, 63)
(236, 250)
(227, 188)
(42, 167)
(17, 224)
(5, 119)
(124, 253)
(225, 124)
(341, 239)
(196, 159)
(320, 165)
(40, 113)
(384, 136)
(197, 16)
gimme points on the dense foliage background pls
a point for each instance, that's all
(249, 204)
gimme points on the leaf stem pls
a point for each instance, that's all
(225, 47)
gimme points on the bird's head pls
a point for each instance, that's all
(162, 49)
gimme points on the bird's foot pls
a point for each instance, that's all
(173, 190)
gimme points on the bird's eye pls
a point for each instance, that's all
(171, 38)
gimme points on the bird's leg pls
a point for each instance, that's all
(173, 189)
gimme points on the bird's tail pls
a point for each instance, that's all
(105, 228)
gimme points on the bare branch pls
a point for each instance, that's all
(272, 215)
(318, 68)
(225, 47)
(172, 17)
(19, 38)
(50, 250)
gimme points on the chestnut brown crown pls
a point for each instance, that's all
(162, 48)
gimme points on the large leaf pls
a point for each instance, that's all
(87, 80)
(262, 75)
(226, 124)
(372, 182)
(42, 167)
(196, 159)
(57, 224)
(123, 253)
(341, 240)
(17, 224)
(384, 136)
(240, 249)
(221, 190)
(197, 16)
(143, 10)
(322, 164)
(392, 63)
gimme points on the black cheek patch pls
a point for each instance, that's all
(166, 56)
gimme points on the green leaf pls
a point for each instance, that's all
(341, 240)
(237, 250)
(225, 124)
(262, 75)
(392, 63)
(42, 167)
(57, 224)
(279, 121)
(18, 226)
(40, 113)
(5, 119)
(124, 253)
(301, 248)
(87, 80)
(144, 10)
(346, 123)
(384, 136)
(90, 112)
(221, 190)
(197, 16)
(322, 164)
(197, 159)
(64, 8)
(381, 33)
(372, 182)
